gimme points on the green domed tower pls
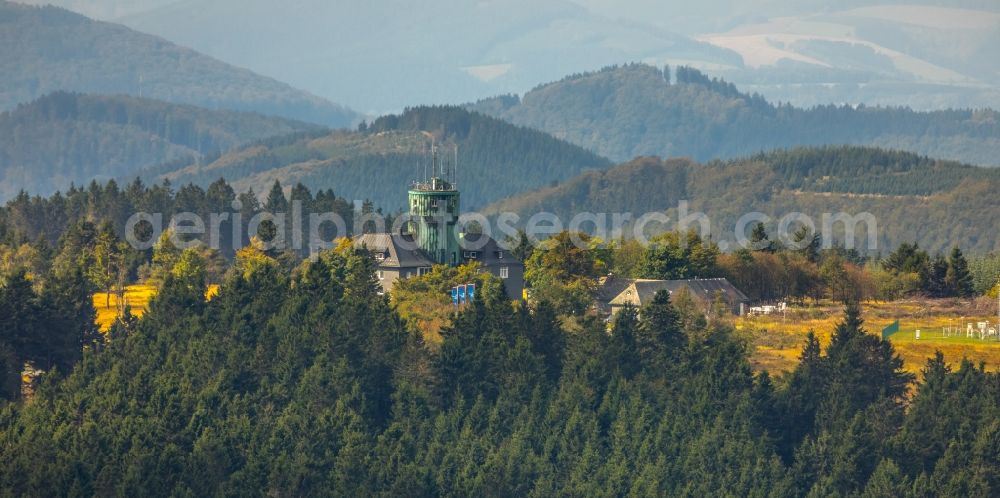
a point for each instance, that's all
(434, 211)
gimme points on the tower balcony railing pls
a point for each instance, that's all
(434, 185)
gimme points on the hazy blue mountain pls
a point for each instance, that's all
(924, 54)
(384, 55)
(713, 16)
(48, 49)
(66, 138)
(927, 54)
(634, 110)
(105, 9)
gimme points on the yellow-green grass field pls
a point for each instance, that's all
(136, 297)
(778, 338)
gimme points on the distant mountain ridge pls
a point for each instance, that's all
(381, 56)
(926, 54)
(48, 49)
(913, 198)
(65, 138)
(495, 159)
(634, 110)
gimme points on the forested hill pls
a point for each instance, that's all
(936, 203)
(65, 138)
(380, 160)
(48, 48)
(308, 382)
(626, 111)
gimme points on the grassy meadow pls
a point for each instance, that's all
(136, 296)
(778, 339)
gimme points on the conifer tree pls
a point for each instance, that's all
(798, 403)
(276, 201)
(623, 344)
(69, 316)
(935, 278)
(20, 321)
(661, 342)
(958, 280)
(547, 337)
(759, 240)
(808, 243)
(862, 368)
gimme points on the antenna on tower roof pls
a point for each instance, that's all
(434, 159)
(454, 167)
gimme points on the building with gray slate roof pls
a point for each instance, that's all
(397, 256)
(639, 292)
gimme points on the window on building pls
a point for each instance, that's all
(499, 254)
(471, 254)
(381, 275)
(423, 269)
(504, 272)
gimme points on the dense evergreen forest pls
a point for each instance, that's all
(64, 138)
(935, 203)
(266, 365)
(47, 222)
(48, 49)
(311, 384)
(634, 110)
(300, 377)
(47, 239)
(378, 162)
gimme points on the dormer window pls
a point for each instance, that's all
(380, 256)
(471, 254)
(499, 254)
